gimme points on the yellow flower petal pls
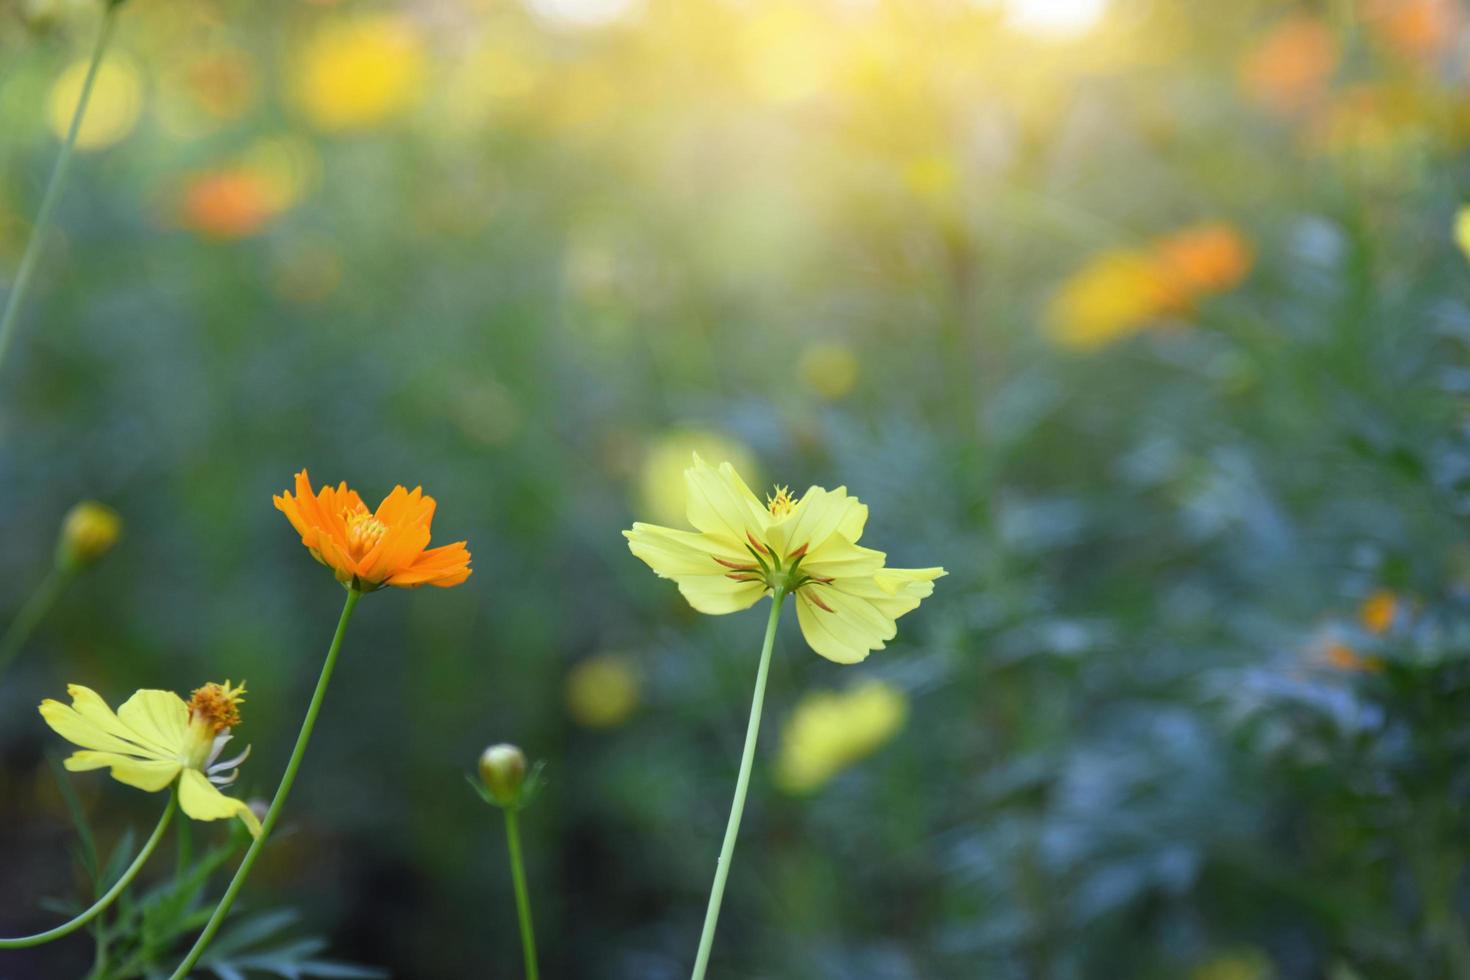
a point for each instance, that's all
(161, 717)
(721, 504)
(830, 730)
(150, 775)
(89, 704)
(848, 630)
(79, 730)
(672, 553)
(200, 799)
(716, 595)
(839, 558)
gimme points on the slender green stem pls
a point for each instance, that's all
(67, 928)
(523, 898)
(307, 724)
(53, 184)
(31, 614)
(742, 784)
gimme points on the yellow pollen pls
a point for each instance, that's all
(782, 503)
(217, 705)
(363, 532)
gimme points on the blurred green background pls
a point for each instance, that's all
(1144, 319)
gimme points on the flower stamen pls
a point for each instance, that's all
(782, 503)
(364, 531)
(217, 705)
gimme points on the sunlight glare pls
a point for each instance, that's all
(1054, 18)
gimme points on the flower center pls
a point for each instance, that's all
(782, 503)
(364, 531)
(217, 706)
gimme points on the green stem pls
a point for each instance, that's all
(742, 784)
(307, 724)
(67, 928)
(523, 899)
(31, 614)
(53, 184)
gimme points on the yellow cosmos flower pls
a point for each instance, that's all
(830, 730)
(155, 739)
(846, 599)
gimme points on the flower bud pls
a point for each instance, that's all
(88, 532)
(503, 771)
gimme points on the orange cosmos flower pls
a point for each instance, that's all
(370, 549)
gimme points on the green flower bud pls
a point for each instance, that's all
(88, 532)
(503, 771)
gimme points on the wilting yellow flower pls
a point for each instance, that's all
(370, 549)
(829, 368)
(356, 73)
(846, 600)
(156, 738)
(1378, 611)
(661, 477)
(1291, 66)
(112, 111)
(830, 730)
(602, 691)
(88, 532)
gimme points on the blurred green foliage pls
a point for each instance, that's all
(1150, 732)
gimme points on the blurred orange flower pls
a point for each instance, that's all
(1378, 611)
(1340, 656)
(1120, 292)
(1414, 28)
(1290, 67)
(369, 549)
(231, 203)
(1204, 259)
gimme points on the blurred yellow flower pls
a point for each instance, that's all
(661, 477)
(156, 738)
(1462, 230)
(847, 600)
(829, 368)
(89, 531)
(1120, 292)
(355, 73)
(602, 691)
(830, 730)
(1112, 296)
(1243, 963)
(112, 112)
(1378, 611)
(1290, 67)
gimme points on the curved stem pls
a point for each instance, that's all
(31, 614)
(523, 899)
(742, 784)
(53, 184)
(66, 928)
(307, 724)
